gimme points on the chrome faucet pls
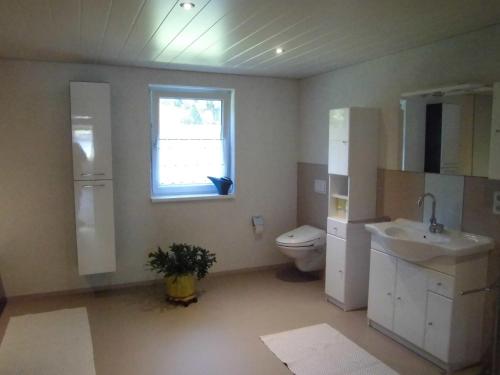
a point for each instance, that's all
(434, 226)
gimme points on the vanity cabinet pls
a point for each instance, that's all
(398, 296)
(420, 305)
(438, 325)
(381, 288)
(409, 304)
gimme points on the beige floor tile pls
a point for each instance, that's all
(135, 332)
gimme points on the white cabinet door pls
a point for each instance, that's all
(335, 267)
(494, 165)
(338, 158)
(339, 124)
(338, 142)
(438, 328)
(410, 302)
(381, 288)
(95, 229)
(91, 130)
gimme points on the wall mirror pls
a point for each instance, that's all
(447, 130)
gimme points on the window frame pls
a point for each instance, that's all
(191, 92)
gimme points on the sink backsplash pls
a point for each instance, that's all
(398, 191)
(397, 194)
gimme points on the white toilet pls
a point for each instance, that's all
(306, 246)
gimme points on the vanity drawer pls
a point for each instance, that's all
(336, 228)
(441, 284)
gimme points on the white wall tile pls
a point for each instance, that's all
(449, 192)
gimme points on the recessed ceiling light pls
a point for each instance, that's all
(187, 6)
(279, 51)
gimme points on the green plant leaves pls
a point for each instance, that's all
(181, 259)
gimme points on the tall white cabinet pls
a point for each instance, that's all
(93, 177)
(352, 169)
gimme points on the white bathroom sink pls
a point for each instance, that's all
(412, 240)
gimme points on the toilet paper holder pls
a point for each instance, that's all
(258, 223)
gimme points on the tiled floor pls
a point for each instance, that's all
(134, 332)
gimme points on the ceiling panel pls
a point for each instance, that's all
(268, 14)
(94, 19)
(232, 36)
(118, 26)
(176, 21)
(152, 16)
(220, 31)
(213, 13)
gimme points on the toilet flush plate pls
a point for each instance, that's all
(320, 186)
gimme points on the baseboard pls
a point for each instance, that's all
(107, 288)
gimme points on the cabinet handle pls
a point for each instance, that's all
(344, 142)
(340, 271)
(430, 323)
(389, 293)
(398, 298)
(92, 186)
(92, 174)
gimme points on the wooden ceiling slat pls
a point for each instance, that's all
(176, 21)
(154, 13)
(122, 16)
(232, 36)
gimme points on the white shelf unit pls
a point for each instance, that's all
(338, 197)
(352, 169)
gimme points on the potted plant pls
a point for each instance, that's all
(180, 266)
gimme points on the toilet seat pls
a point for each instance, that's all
(302, 237)
(306, 246)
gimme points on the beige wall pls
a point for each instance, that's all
(472, 57)
(37, 240)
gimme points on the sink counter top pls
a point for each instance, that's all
(412, 240)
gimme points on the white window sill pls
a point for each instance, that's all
(197, 197)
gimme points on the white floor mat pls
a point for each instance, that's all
(52, 343)
(321, 350)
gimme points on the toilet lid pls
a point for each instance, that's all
(300, 235)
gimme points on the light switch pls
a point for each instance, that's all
(496, 202)
(320, 186)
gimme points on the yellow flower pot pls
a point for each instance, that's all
(180, 287)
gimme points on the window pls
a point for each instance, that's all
(191, 139)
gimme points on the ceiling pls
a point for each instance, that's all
(232, 36)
